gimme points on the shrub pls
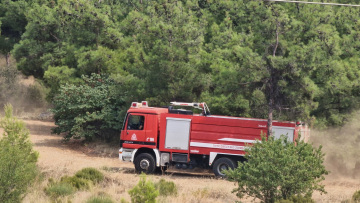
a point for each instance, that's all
(356, 196)
(144, 191)
(76, 182)
(101, 198)
(278, 169)
(88, 110)
(82, 180)
(60, 189)
(17, 158)
(91, 174)
(166, 188)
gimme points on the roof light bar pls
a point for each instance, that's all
(134, 104)
(138, 105)
(144, 103)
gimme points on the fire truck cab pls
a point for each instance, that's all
(154, 138)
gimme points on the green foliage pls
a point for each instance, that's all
(91, 174)
(356, 196)
(59, 39)
(17, 158)
(144, 191)
(278, 169)
(166, 188)
(241, 57)
(76, 182)
(12, 23)
(60, 189)
(82, 180)
(297, 199)
(89, 110)
(101, 198)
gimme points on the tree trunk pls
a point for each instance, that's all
(272, 83)
(270, 114)
(7, 58)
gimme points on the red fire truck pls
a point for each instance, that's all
(154, 138)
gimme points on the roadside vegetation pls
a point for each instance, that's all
(18, 168)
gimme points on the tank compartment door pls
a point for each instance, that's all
(177, 133)
(287, 131)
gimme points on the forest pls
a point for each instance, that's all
(244, 58)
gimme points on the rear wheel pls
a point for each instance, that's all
(222, 164)
(145, 162)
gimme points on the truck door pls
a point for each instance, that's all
(135, 128)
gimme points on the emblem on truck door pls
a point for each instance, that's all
(133, 137)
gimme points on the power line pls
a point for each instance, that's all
(320, 3)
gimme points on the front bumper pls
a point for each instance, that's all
(126, 154)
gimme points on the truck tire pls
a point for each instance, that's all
(221, 164)
(145, 162)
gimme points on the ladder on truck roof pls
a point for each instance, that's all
(205, 109)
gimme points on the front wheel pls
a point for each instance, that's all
(222, 164)
(145, 162)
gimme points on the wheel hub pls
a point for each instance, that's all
(223, 167)
(144, 164)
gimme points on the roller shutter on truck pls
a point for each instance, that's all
(177, 133)
(287, 131)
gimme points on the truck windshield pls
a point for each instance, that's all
(123, 126)
(135, 122)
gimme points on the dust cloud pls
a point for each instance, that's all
(341, 146)
(26, 95)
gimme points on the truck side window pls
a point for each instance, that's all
(136, 122)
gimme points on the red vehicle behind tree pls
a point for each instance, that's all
(154, 137)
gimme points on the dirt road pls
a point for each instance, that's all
(58, 159)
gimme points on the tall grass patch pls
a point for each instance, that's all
(91, 174)
(100, 198)
(166, 188)
(60, 189)
(82, 180)
(76, 182)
